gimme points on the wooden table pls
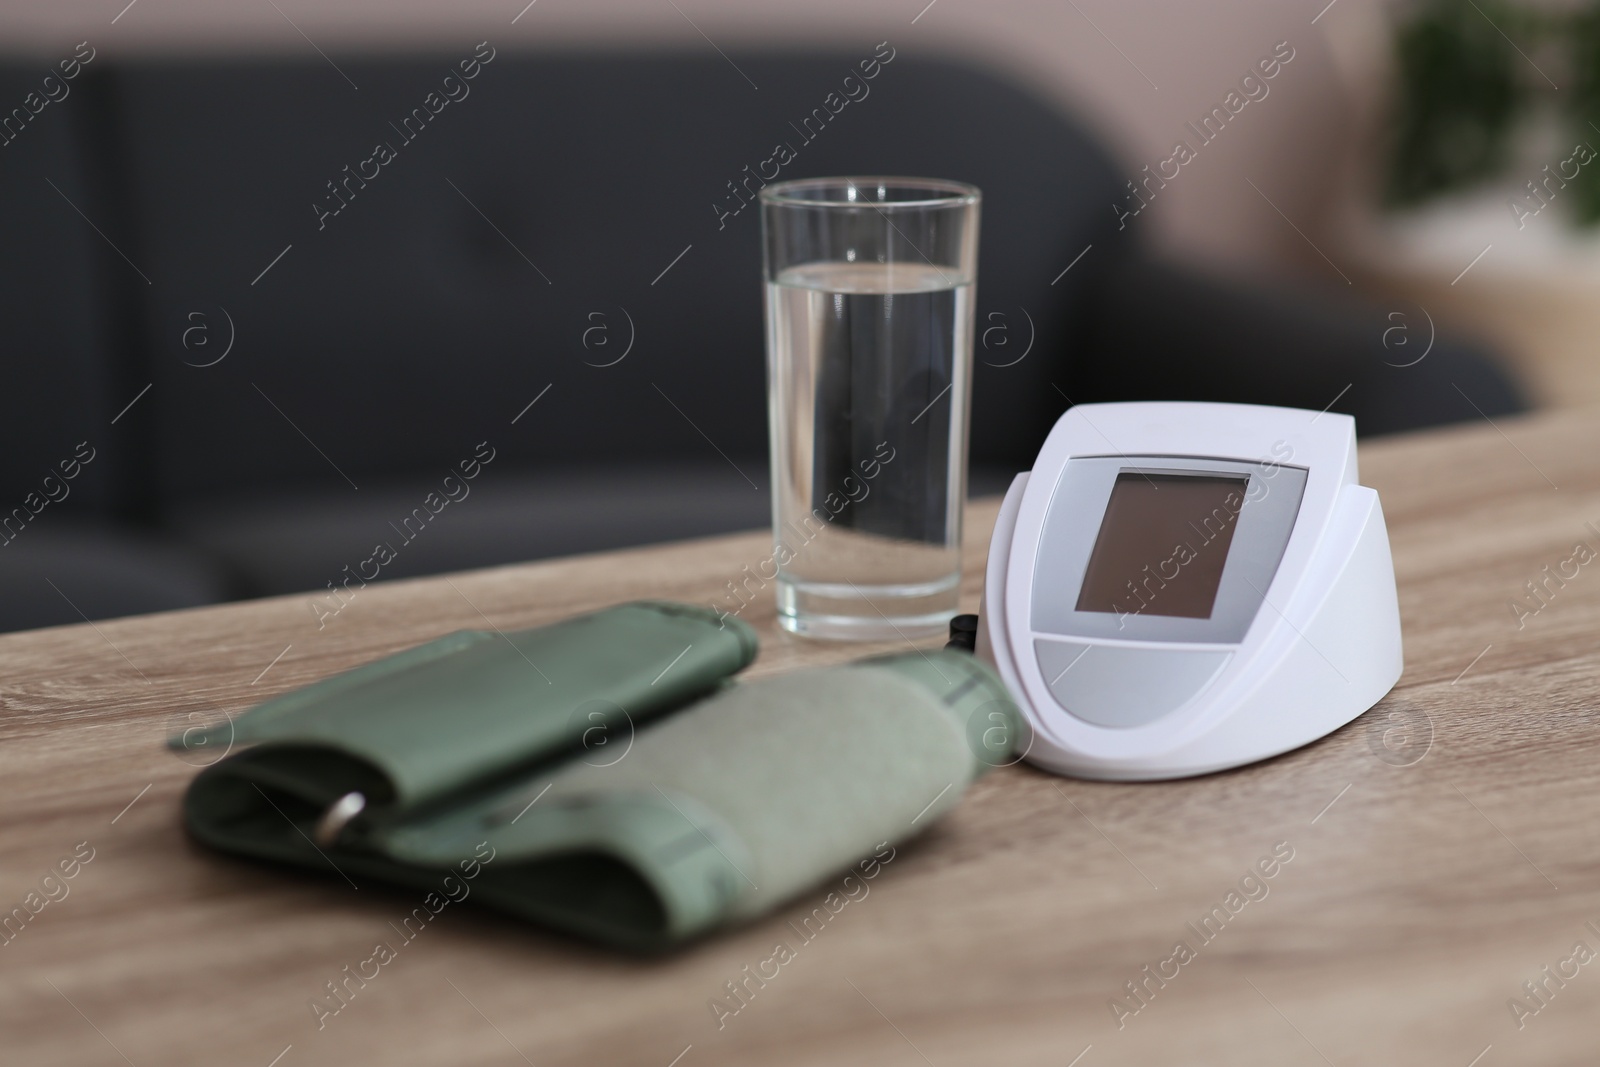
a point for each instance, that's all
(1428, 880)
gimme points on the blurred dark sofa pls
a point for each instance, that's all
(276, 343)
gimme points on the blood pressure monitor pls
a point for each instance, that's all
(1178, 588)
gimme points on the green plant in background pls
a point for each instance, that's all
(1583, 38)
(1464, 86)
(1458, 96)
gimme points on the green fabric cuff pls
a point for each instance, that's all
(741, 798)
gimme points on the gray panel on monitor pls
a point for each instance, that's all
(1115, 685)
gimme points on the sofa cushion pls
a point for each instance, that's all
(61, 379)
(71, 571)
(297, 542)
(561, 201)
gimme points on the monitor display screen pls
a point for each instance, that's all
(1163, 544)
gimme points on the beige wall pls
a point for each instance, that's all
(1177, 59)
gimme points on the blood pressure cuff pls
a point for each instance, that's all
(604, 776)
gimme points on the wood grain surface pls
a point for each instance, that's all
(1445, 848)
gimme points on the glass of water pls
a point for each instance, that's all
(869, 307)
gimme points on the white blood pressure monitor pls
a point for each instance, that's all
(1177, 588)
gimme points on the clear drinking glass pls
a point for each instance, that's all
(869, 306)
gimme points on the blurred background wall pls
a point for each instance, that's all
(1259, 271)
